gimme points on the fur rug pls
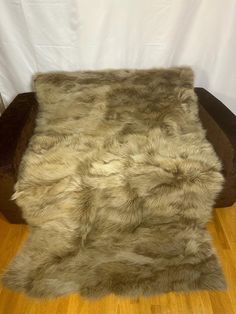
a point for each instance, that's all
(117, 185)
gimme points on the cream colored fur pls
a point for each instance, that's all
(117, 185)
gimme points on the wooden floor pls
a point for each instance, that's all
(223, 231)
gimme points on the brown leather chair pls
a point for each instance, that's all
(17, 124)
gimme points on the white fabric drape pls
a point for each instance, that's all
(44, 35)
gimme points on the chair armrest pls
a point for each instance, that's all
(220, 124)
(16, 128)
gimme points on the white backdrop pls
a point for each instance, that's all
(44, 35)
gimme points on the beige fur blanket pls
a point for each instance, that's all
(117, 185)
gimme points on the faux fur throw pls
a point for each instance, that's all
(117, 185)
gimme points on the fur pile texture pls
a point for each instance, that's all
(117, 185)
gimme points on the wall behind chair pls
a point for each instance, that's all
(48, 35)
